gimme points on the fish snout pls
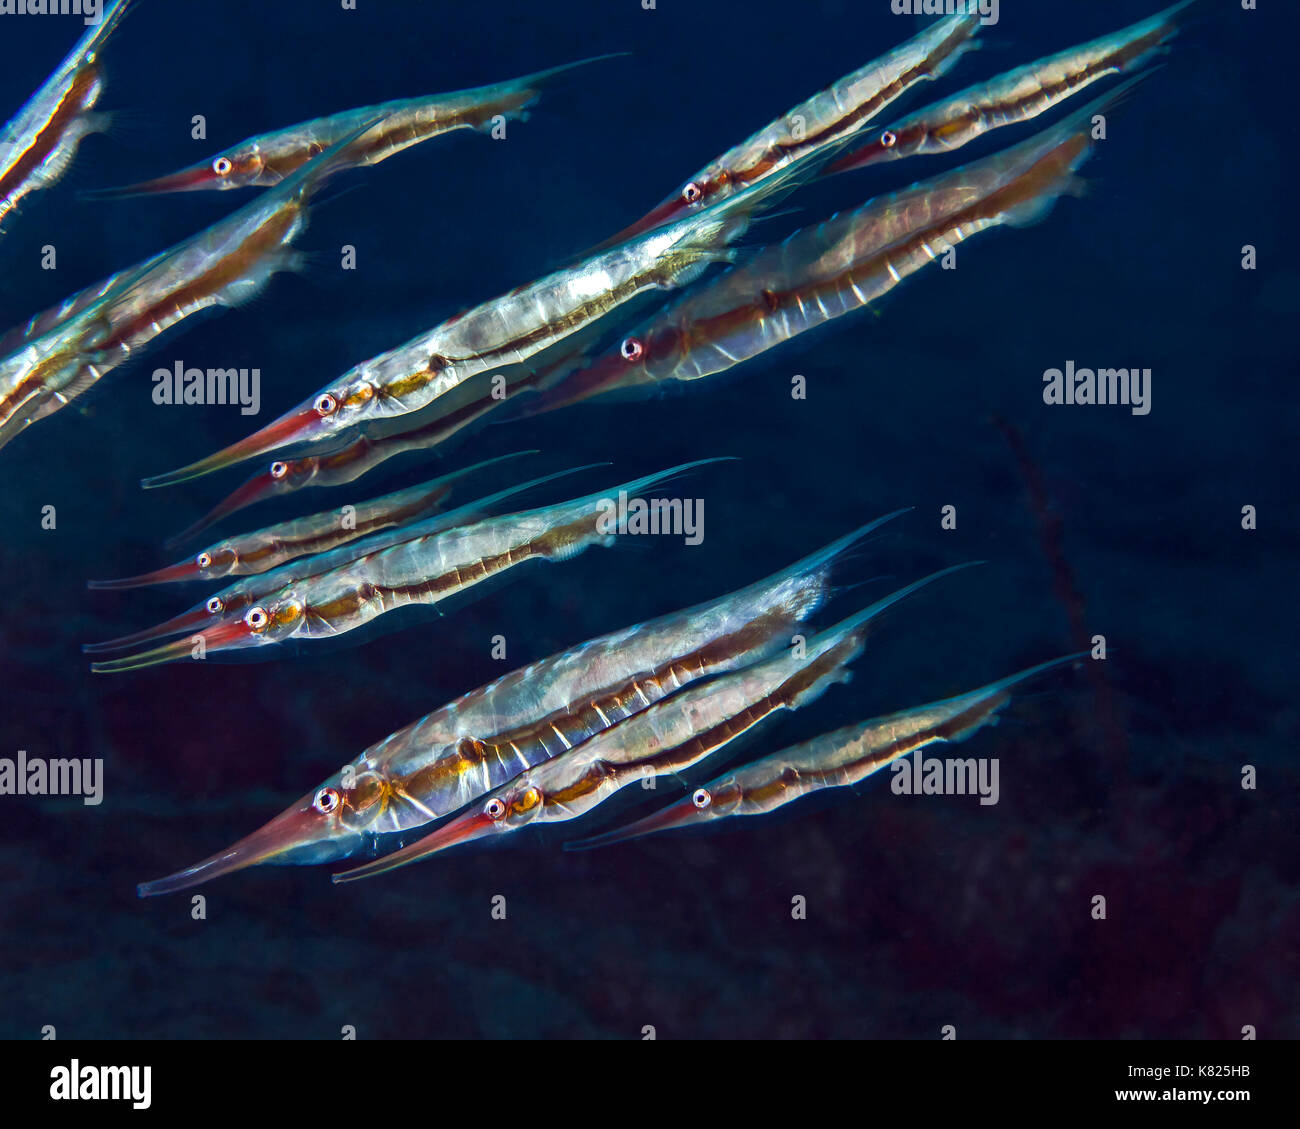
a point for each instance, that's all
(300, 834)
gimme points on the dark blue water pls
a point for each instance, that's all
(922, 912)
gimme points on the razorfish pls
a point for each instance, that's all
(822, 273)
(268, 158)
(834, 760)
(262, 550)
(40, 141)
(58, 354)
(356, 457)
(480, 740)
(36, 373)
(669, 737)
(830, 116)
(226, 265)
(236, 599)
(39, 324)
(422, 570)
(1017, 96)
(509, 331)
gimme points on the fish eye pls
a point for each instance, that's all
(203, 560)
(326, 404)
(326, 801)
(702, 798)
(632, 349)
(256, 619)
(495, 808)
(222, 166)
(692, 193)
(888, 139)
(216, 606)
(279, 469)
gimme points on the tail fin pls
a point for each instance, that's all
(96, 36)
(968, 713)
(831, 554)
(1051, 158)
(483, 505)
(1168, 22)
(853, 629)
(456, 475)
(827, 656)
(540, 78)
(639, 484)
(948, 39)
(806, 584)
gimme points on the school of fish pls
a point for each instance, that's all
(681, 294)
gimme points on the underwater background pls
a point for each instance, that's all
(1122, 779)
